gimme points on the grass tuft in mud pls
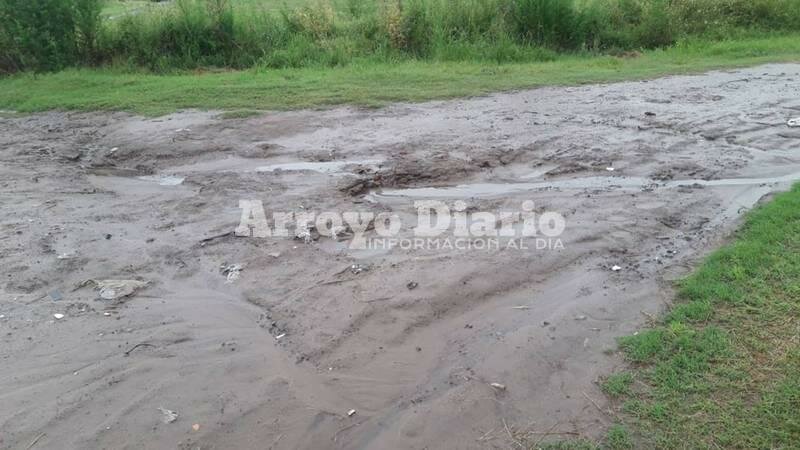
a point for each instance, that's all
(722, 369)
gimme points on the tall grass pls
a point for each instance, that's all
(51, 34)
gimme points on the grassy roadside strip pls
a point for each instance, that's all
(722, 368)
(367, 83)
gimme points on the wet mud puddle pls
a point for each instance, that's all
(307, 343)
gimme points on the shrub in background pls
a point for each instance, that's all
(546, 22)
(37, 34)
(188, 34)
(86, 15)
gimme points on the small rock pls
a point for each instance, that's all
(58, 316)
(616, 268)
(580, 318)
(196, 427)
(498, 386)
(351, 413)
(412, 285)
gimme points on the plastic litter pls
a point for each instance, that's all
(794, 122)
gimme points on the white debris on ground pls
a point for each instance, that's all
(117, 289)
(168, 416)
(232, 272)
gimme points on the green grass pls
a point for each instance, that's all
(366, 83)
(161, 37)
(723, 368)
(617, 384)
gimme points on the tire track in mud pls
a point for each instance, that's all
(278, 357)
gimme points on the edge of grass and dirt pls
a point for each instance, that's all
(721, 368)
(367, 83)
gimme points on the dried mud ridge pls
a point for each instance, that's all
(275, 352)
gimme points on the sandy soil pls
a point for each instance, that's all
(690, 153)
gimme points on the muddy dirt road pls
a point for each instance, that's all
(408, 338)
